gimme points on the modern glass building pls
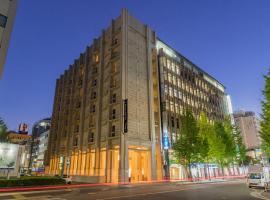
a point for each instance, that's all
(116, 109)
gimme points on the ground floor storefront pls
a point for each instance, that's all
(104, 165)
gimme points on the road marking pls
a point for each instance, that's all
(92, 193)
(33, 192)
(257, 194)
(145, 194)
(19, 196)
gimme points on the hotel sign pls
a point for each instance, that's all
(125, 116)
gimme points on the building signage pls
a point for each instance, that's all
(23, 128)
(8, 155)
(166, 143)
(125, 116)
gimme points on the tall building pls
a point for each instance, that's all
(249, 126)
(7, 16)
(116, 109)
(39, 145)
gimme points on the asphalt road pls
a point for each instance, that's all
(159, 191)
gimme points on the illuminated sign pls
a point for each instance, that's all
(166, 143)
(23, 128)
(8, 155)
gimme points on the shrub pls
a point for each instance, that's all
(32, 181)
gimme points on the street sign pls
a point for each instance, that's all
(125, 116)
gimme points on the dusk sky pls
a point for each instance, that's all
(229, 39)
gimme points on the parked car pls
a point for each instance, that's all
(258, 177)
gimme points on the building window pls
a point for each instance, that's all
(177, 123)
(78, 104)
(113, 113)
(94, 82)
(94, 95)
(173, 138)
(113, 83)
(113, 68)
(93, 109)
(91, 137)
(96, 58)
(172, 121)
(115, 41)
(113, 131)
(75, 141)
(3, 20)
(76, 129)
(113, 98)
(94, 70)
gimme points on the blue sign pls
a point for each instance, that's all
(166, 143)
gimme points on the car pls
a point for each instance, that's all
(67, 178)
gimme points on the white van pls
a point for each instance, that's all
(258, 177)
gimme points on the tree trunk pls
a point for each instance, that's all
(189, 173)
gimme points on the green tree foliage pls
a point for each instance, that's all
(187, 147)
(203, 141)
(242, 158)
(3, 131)
(205, 132)
(229, 141)
(265, 123)
(217, 146)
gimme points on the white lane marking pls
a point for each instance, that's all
(258, 195)
(145, 194)
(33, 192)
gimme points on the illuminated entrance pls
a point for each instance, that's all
(139, 164)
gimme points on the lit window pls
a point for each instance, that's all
(170, 91)
(166, 89)
(175, 93)
(172, 106)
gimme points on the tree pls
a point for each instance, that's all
(229, 141)
(217, 144)
(206, 131)
(3, 131)
(187, 146)
(241, 148)
(265, 123)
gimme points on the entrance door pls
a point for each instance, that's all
(139, 165)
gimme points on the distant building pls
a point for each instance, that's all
(41, 127)
(23, 128)
(7, 15)
(16, 138)
(248, 125)
(40, 134)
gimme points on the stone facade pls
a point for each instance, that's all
(107, 120)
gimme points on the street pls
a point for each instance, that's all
(162, 191)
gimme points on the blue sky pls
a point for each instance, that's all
(229, 39)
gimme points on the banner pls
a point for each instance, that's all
(8, 155)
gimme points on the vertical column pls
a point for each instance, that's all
(150, 105)
(123, 166)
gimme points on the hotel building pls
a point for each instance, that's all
(116, 109)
